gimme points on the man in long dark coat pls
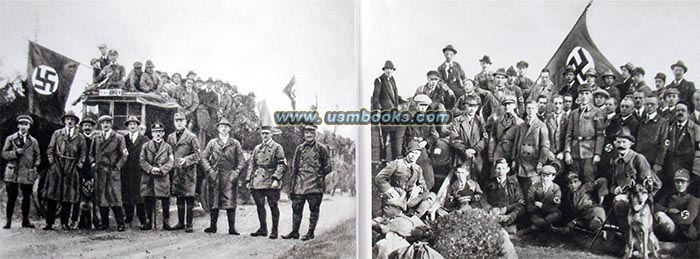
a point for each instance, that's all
(108, 156)
(186, 153)
(156, 160)
(131, 173)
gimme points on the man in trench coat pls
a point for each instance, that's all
(186, 153)
(107, 157)
(156, 161)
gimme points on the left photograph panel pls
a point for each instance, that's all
(177, 129)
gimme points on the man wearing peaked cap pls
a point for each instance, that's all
(425, 136)
(21, 151)
(66, 153)
(543, 200)
(585, 138)
(670, 98)
(156, 162)
(505, 123)
(686, 87)
(582, 202)
(132, 172)
(484, 79)
(149, 80)
(311, 164)
(386, 97)
(451, 71)
(676, 214)
(186, 154)
(660, 82)
(264, 180)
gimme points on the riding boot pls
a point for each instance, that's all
(296, 222)
(231, 214)
(275, 222)
(190, 216)
(9, 210)
(180, 217)
(262, 231)
(313, 220)
(25, 213)
(213, 217)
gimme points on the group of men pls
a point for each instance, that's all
(130, 172)
(540, 156)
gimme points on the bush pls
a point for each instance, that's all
(468, 234)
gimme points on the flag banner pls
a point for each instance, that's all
(579, 51)
(290, 91)
(50, 76)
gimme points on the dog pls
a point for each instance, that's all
(86, 205)
(642, 241)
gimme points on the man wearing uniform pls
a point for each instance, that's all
(132, 171)
(107, 157)
(676, 215)
(625, 86)
(500, 127)
(451, 72)
(468, 138)
(543, 200)
(523, 81)
(265, 172)
(660, 83)
(156, 160)
(484, 79)
(585, 136)
(639, 84)
(222, 161)
(112, 75)
(671, 99)
(591, 75)
(608, 85)
(66, 153)
(441, 95)
(505, 196)
(571, 85)
(613, 124)
(21, 151)
(188, 99)
(683, 152)
(583, 203)
(186, 152)
(310, 166)
(386, 98)
(686, 87)
(652, 135)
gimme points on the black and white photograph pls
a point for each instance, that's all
(573, 132)
(160, 129)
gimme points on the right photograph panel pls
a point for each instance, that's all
(533, 129)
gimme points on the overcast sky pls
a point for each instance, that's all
(412, 34)
(257, 45)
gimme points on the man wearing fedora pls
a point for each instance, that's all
(21, 151)
(583, 146)
(222, 161)
(186, 152)
(501, 88)
(107, 157)
(264, 179)
(156, 160)
(131, 173)
(92, 214)
(484, 79)
(310, 165)
(451, 72)
(608, 85)
(626, 83)
(386, 98)
(686, 87)
(571, 85)
(591, 75)
(66, 154)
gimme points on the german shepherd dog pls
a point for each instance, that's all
(86, 205)
(642, 241)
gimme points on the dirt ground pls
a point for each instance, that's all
(134, 243)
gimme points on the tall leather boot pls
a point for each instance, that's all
(296, 222)
(180, 217)
(231, 214)
(313, 220)
(274, 210)
(213, 217)
(190, 216)
(25, 213)
(262, 231)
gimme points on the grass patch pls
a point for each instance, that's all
(339, 242)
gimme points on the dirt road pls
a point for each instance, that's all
(134, 243)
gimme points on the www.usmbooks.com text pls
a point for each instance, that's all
(363, 117)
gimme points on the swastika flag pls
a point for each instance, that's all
(50, 76)
(579, 51)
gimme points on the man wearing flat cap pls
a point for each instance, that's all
(107, 157)
(660, 83)
(443, 98)
(542, 202)
(386, 98)
(571, 84)
(687, 88)
(310, 165)
(222, 161)
(186, 152)
(626, 83)
(676, 214)
(99, 63)
(682, 139)
(21, 151)
(112, 75)
(484, 79)
(132, 172)
(522, 80)
(582, 203)
(609, 85)
(264, 179)
(451, 72)
(425, 136)
(583, 146)
(639, 84)
(149, 80)
(66, 154)
(134, 78)
(156, 161)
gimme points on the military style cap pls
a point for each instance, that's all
(132, 118)
(486, 59)
(672, 90)
(388, 64)
(682, 174)
(569, 69)
(638, 70)
(310, 127)
(138, 64)
(601, 92)
(625, 133)
(104, 118)
(70, 114)
(548, 169)
(572, 175)
(608, 72)
(266, 128)
(413, 145)
(224, 121)
(421, 98)
(591, 72)
(584, 87)
(25, 118)
(157, 127)
(449, 48)
(433, 73)
(627, 66)
(149, 63)
(522, 64)
(511, 71)
(661, 76)
(500, 71)
(680, 63)
(508, 99)
(179, 116)
(113, 52)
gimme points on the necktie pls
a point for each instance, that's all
(22, 140)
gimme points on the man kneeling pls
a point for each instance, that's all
(463, 194)
(676, 215)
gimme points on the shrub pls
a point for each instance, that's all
(470, 233)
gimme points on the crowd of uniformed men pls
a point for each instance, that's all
(92, 172)
(544, 157)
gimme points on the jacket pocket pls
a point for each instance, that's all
(32, 175)
(10, 173)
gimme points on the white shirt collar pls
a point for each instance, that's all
(610, 116)
(682, 123)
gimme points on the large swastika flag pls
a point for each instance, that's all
(50, 76)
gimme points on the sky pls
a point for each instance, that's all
(256, 45)
(651, 34)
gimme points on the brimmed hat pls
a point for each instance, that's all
(608, 72)
(149, 63)
(682, 174)
(522, 64)
(191, 73)
(388, 64)
(629, 66)
(138, 64)
(638, 70)
(450, 48)
(584, 87)
(624, 132)
(500, 71)
(569, 69)
(266, 128)
(661, 76)
(591, 72)
(157, 127)
(132, 118)
(433, 73)
(601, 92)
(680, 63)
(413, 145)
(421, 98)
(25, 118)
(104, 118)
(102, 46)
(70, 114)
(511, 71)
(224, 121)
(548, 169)
(486, 59)
(88, 119)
